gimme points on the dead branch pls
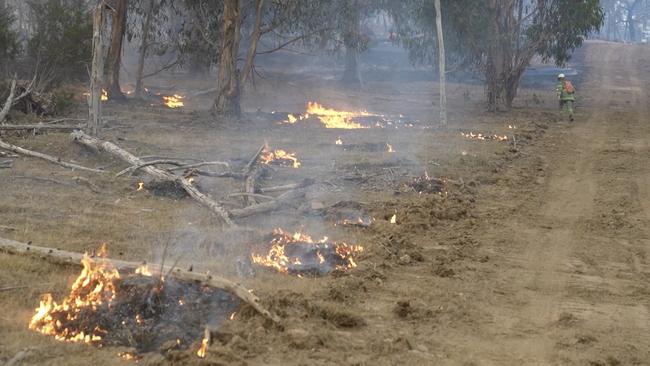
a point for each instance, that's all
(239, 194)
(51, 159)
(280, 201)
(208, 173)
(166, 67)
(6, 164)
(204, 92)
(132, 169)
(252, 172)
(40, 127)
(305, 183)
(66, 257)
(197, 165)
(99, 145)
(9, 102)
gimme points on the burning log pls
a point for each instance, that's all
(66, 257)
(300, 254)
(51, 159)
(280, 157)
(205, 200)
(481, 136)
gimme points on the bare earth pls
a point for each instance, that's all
(536, 255)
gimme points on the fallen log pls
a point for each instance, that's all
(66, 257)
(40, 127)
(109, 147)
(133, 168)
(51, 159)
(280, 201)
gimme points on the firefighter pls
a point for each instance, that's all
(566, 95)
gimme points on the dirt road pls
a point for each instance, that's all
(573, 267)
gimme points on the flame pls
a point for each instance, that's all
(103, 97)
(204, 347)
(390, 148)
(144, 270)
(280, 156)
(393, 219)
(339, 141)
(129, 356)
(278, 258)
(480, 136)
(330, 118)
(173, 101)
(140, 186)
(94, 287)
(232, 316)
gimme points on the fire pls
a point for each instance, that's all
(480, 136)
(204, 346)
(103, 97)
(280, 157)
(94, 286)
(173, 101)
(298, 253)
(144, 270)
(140, 186)
(393, 219)
(339, 141)
(232, 316)
(331, 118)
(390, 148)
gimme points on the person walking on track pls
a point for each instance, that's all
(566, 95)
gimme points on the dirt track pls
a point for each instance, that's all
(539, 258)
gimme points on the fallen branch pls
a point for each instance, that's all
(239, 194)
(204, 92)
(134, 168)
(40, 127)
(252, 172)
(66, 257)
(109, 147)
(280, 201)
(6, 164)
(198, 165)
(208, 173)
(51, 159)
(305, 183)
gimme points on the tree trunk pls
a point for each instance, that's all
(114, 58)
(352, 42)
(252, 47)
(144, 45)
(227, 100)
(97, 68)
(441, 65)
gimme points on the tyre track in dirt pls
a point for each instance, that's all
(574, 266)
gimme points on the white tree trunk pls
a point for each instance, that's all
(97, 71)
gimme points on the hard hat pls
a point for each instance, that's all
(561, 76)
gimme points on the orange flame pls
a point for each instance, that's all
(173, 101)
(94, 286)
(393, 219)
(140, 186)
(390, 148)
(330, 118)
(204, 347)
(339, 141)
(278, 259)
(279, 155)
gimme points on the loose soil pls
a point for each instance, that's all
(534, 254)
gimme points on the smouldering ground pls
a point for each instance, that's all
(530, 258)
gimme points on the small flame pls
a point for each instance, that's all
(140, 186)
(232, 316)
(144, 270)
(393, 219)
(480, 136)
(339, 141)
(281, 157)
(173, 101)
(390, 148)
(104, 96)
(330, 118)
(204, 347)
(129, 356)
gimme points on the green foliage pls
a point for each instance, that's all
(62, 41)
(8, 39)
